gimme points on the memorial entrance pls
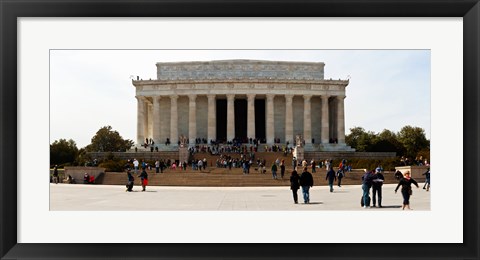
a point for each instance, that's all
(228, 100)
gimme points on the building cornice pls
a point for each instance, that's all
(137, 83)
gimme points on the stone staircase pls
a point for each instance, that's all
(270, 157)
(221, 177)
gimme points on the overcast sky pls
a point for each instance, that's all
(90, 89)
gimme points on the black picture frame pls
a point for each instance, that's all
(11, 10)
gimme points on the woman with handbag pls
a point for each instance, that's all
(406, 183)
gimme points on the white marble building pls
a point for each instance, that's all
(227, 99)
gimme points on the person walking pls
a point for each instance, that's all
(306, 181)
(282, 168)
(274, 171)
(340, 174)
(130, 181)
(331, 178)
(144, 179)
(295, 185)
(406, 183)
(367, 179)
(427, 179)
(377, 183)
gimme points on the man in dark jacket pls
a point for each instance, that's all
(377, 183)
(331, 178)
(130, 180)
(367, 179)
(295, 185)
(306, 181)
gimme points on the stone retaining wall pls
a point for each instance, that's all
(308, 155)
(138, 155)
(349, 155)
(78, 172)
(415, 171)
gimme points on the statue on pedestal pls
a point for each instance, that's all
(183, 141)
(299, 141)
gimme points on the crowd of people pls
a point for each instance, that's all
(371, 180)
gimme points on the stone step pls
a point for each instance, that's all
(227, 178)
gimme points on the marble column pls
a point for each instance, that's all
(307, 119)
(156, 119)
(173, 120)
(140, 121)
(192, 119)
(212, 115)
(341, 119)
(289, 120)
(150, 120)
(145, 117)
(251, 116)
(230, 117)
(325, 128)
(270, 127)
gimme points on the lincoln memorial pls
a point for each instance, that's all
(225, 100)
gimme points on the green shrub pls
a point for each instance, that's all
(370, 164)
(113, 165)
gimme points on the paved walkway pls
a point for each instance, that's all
(112, 197)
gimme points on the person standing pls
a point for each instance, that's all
(331, 178)
(135, 165)
(274, 171)
(55, 174)
(282, 168)
(427, 179)
(367, 179)
(306, 181)
(377, 187)
(329, 164)
(130, 181)
(157, 166)
(144, 179)
(398, 175)
(314, 165)
(295, 185)
(200, 165)
(406, 183)
(294, 163)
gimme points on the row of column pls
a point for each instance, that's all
(142, 122)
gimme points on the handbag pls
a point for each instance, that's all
(410, 191)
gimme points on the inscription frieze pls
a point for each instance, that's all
(240, 69)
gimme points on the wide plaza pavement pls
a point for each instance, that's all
(79, 197)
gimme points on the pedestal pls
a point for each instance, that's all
(183, 154)
(299, 153)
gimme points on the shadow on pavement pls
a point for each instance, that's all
(341, 191)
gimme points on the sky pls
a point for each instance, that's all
(90, 89)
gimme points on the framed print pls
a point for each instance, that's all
(32, 29)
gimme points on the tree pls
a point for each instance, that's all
(359, 139)
(63, 151)
(107, 140)
(413, 139)
(387, 141)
